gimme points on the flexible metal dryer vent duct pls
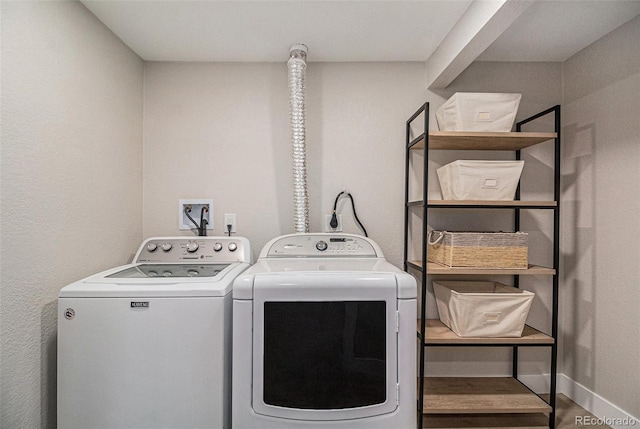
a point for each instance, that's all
(297, 66)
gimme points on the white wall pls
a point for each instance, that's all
(601, 174)
(71, 182)
(221, 131)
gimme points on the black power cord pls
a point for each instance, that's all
(334, 218)
(202, 227)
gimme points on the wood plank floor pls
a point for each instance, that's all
(566, 413)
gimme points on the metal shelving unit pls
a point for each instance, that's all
(439, 397)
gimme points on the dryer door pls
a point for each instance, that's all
(325, 345)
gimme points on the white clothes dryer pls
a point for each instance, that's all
(324, 335)
(148, 345)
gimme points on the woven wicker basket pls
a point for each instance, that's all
(479, 249)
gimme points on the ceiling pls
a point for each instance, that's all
(345, 30)
(265, 30)
(555, 30)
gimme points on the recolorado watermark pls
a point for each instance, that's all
(605, 421)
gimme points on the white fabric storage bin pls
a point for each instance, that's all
(480, 180)
(478, 111)
(482, 308)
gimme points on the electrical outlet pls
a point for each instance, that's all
(327, 225)
(230, 219)
(185, 223)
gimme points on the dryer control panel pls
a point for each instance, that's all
(194, 249)
(321, 245)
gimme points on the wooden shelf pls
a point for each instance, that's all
(459, 140)
(491, 204)
(533, 270)
(492, 421)
(438, 333)
(480, 395)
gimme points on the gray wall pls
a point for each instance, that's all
(601, 251)
(71, 182)
(221, 131)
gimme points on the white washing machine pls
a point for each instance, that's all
(148, 345)
(324, 335)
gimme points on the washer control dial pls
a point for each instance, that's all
(321, 245)
(194, 250)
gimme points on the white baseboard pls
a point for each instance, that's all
(610, 414)
(597, 405)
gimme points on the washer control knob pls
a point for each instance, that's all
(217, 247)
(167, 246)
(233, 247)
(192, 246)
(151, 247)
(321, 245)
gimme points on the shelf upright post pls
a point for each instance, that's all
(556, 256)
(424, 109)
(424, 239)
(407, 155)
(424, 283)
(556, 266)
(516, 278)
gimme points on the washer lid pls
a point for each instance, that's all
(169, 270)
(130, 280)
